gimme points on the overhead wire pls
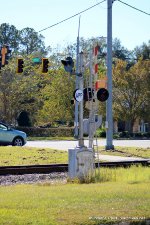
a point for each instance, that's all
(72, 16)
(68, 18)
(134, 7)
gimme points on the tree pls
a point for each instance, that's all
(20, 92)
(25, 41)
(143, 51)
(31, 41)
(131, 91)
(57, 98)
(119, 51)
(9, 35)
(6, 90)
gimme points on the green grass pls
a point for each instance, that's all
(122, 194)
(12, 156)
(135, 174)
(127, 151)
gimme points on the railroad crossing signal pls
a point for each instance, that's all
(88, 94)
(20, 63)
(68, 64)
(78, 95)
(102, 94)
(45, 64)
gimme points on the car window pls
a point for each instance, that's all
(2, 127)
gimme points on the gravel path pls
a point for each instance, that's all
(51, 178)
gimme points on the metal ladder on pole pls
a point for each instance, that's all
(96, 152)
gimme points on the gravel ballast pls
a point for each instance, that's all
(51, 178)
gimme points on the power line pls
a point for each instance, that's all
(134, 8)
(72, 16)
(91, 8)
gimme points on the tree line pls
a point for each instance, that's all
(46, 98)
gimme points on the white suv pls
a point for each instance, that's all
(9, 136)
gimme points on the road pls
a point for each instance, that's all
(65, 145)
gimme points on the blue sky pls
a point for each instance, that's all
(129, 25)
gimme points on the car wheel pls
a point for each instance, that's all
(18, 141)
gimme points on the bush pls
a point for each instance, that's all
(138, 134)
(141, 135)
(48, 132)
(116, 136)
(126, 134)
(101, 132)
(147, 135)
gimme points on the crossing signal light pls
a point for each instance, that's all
(68, 64)
(102, 94)
(88, 94)
(45, 65)
(20, 63)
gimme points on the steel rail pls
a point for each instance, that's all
(52, 168)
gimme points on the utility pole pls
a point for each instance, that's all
(81, 140)
(91, 114)
(109, 116)
(76, 123)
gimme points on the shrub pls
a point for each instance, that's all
(126, 134)
(47, 132)
(147, 135)
(101, 132)
(116, 136)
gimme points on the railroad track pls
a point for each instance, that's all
(18, 170)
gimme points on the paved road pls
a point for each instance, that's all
(65, 145)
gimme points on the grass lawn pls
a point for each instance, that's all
(14, 156)
(120, 194)
(127, 151)
(11, 156)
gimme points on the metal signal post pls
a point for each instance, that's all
(76, 120)
(109, 116)
(81, 140)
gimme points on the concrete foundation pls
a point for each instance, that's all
(81, 161)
